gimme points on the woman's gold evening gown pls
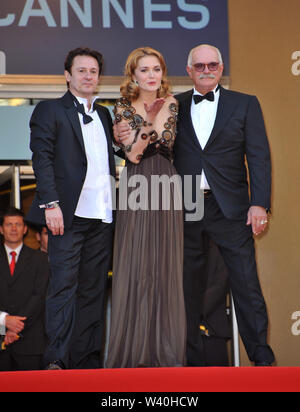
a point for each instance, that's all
(148, 326)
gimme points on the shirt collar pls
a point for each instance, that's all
(216, 91)
(17, 250)
(84, 101)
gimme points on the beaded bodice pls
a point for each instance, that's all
(161, 140)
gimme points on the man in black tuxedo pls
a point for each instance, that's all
(217, 130)
(73, 161)
(24, 275)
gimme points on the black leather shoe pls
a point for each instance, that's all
(262, 364)
(55, 366)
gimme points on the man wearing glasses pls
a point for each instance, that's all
(217, 130)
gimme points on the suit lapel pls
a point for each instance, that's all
(187, 119)
(225, 110)
(107, 131)
(4, 265)
(104, 122)
(23, 263)
(72, 115)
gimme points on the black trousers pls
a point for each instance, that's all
(11, 361)
(79, 261)
(236, 244)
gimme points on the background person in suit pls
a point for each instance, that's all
(24, 274)
(217, 129)
(42, 237)
(73, 161)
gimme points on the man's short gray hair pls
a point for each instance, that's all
(190, 57)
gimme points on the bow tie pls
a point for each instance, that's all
(210, 96)
(86, 118)
(80, 108)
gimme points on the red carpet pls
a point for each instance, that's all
(155, 380)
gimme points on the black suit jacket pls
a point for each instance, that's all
(59, 158)
(24, 294)
(239, 133)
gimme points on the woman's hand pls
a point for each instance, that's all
(122, 130)
(153, 109)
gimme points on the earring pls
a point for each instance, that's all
(134, 84)
(160, 89)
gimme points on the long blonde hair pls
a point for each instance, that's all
(129, 88)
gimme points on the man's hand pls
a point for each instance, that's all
(14, 324)
(10, 338)
(121, 132)
(258, 218)
(55, 221)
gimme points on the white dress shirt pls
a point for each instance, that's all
(2, 322)
(203, 118)
(9, 258)
(95, 200)
(9, 250)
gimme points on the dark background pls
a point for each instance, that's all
(40, 49)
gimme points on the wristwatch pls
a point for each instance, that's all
(50, 205)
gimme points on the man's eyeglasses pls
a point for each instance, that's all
(200, 67)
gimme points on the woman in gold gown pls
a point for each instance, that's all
(148, 325)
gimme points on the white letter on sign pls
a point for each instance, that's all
(44, 11)
(9, 19)
(193, 8)
(85, 15)
(149, 8)
(126, 16)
